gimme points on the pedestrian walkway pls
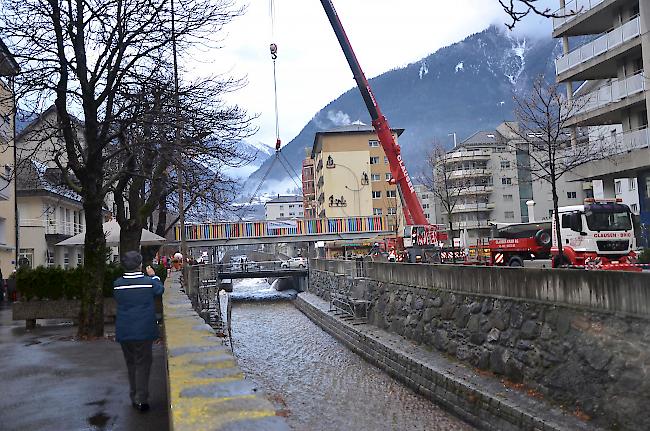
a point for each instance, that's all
(52, 382)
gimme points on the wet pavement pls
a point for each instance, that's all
(52, 382)
(317, 382)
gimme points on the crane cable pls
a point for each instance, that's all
(278, 142)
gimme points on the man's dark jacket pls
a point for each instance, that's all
(136, 317)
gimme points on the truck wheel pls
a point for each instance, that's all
(543, 238)
(516, 262)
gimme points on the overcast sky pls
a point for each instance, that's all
(311, 69)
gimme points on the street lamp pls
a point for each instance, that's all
(454, 135)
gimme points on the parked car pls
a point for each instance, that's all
(295, 262)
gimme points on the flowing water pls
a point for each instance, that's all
(316, 381)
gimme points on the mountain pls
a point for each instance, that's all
(462, 88)
(256, 152)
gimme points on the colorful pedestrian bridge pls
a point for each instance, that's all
(275, 231)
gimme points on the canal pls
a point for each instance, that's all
(315, 381)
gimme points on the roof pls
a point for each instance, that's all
(355, 128)
(8, 64)
(285, 199)
(36, 179)
(482, 137)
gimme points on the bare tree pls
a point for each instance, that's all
(517, 10)
(151, 159)
(80, 53)
(447, 188)
(543, 136)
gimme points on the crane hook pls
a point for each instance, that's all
(274, 51)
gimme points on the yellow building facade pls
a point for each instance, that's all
(8, 69)
(351, 175)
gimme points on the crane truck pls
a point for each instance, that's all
(414, 216)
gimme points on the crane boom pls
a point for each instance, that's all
(413, 212)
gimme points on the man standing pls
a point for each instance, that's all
(135, 324)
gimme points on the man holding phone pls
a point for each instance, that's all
(135, 324)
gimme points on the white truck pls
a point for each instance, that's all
(598, 234)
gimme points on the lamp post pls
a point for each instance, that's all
(454, 135)
(179, 168)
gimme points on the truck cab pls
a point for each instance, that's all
(598, 233)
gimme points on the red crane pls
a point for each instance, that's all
(413, 212)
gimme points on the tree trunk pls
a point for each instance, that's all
(91, 315)
(130, 234)
(451, 238)
(556, 218)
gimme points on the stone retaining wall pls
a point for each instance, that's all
(596, 361)
(479, 400)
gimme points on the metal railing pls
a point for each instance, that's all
(53, 227)
(599, 46)
(611, 93)
(624, 142)
(573, 9)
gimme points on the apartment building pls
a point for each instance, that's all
(606, 50)
(308, 187)
(284, 207)
(428, 202)
(352, 174)
(490, 183)
(8, 232)
(48, 213)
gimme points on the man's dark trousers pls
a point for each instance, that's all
(138, 361)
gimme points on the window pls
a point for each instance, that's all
(426, 215)
(506, 181)
(617, 185)
(571, 195)
(373, 143)
(509, 215)
(632, 183)
(374, 160)
(391, 193)
(634, 208)
(375, 177)
(290, 206)
(389, 176)
(425, 206)
(26, 258)
(281, 214)
(376, 194)
(79, 259)
(292, 214)
(376, 211)
(392, 211)
(281, 207)
(385, 160)
(505, 164)
(507, 198)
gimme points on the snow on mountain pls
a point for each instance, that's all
(462, 88)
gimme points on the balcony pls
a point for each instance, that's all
(573, 9)
(469, 173)
(616, 95)
(471, 224)
(468, 155)
(53, 227)
(472, 190)
(596, 48)
(625, 142)
(465, 208)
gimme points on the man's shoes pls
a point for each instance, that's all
(143, 407)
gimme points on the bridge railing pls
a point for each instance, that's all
(279, 228)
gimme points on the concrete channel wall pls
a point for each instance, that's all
(577, 338)
(207, 390)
